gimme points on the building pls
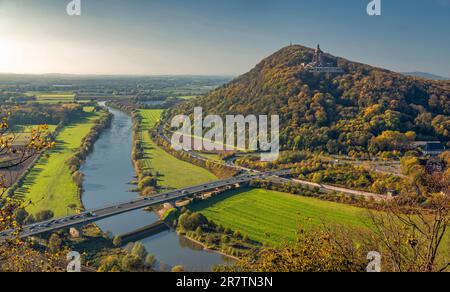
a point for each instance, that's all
(75, 233)
(430, 148)
(318, 64)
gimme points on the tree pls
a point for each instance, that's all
(44, 215)
(150, 261)
(412, 236)
(392, 140)
(190, 221)
(29, 220)
(132, 263)
(110, 264)
(178, 269)
(317, 177)
(117, 241)
(54, 243)
(139, 250)
(314, 251)
(225, 239)
(199, 231)
(21, 215)
(147, 181)
(16, 254)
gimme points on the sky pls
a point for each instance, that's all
(217, 37)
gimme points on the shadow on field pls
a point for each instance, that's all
(61, 146)
(198, 206)
(148, 150)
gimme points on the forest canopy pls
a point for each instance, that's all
(362, 109)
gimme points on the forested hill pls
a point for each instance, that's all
(363, 108)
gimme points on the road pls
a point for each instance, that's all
(172, 196)
(322, 187)
(331, 189)
(140, 203)
(391, 167)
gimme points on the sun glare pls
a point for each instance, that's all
(6, 56)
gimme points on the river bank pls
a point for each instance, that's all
(107, 173)
(209, 249)
(50, 184)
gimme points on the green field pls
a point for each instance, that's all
(22, 133)
(174, 173)
(274, 217)
(211, 156)
(49, 185)
(187, 97)
(52, 97)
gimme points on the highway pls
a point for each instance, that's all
(330, 189)
(322, 187)
(171, 196)
(140, 203)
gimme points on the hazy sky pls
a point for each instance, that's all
(217, 36)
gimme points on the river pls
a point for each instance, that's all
(108, 172)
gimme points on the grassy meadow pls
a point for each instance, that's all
(274, 217)
(187, 97)
(49, 185)
(174, 173)
(53, 97)
(211, 156)
(22, 133)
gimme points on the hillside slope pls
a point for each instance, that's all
(334, 112)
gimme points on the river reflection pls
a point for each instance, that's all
(108, 172)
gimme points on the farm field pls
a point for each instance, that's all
(22, 133)
(274, 217)
(211, 156)
(49, 185)
(187, 97)
(174, 173)
(52, 97)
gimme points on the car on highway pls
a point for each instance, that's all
(91, 215)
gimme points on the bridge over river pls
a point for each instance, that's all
(137, 204)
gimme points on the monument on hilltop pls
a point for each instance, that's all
(318, 64)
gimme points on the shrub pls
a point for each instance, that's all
(21, 215)
(147, 181)
(44, 215)
(178, 269)
(132, 263)
(54, 243)
(199, 231)
(190, 222)
(150, 261)
(139, 250)
(117, 241)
